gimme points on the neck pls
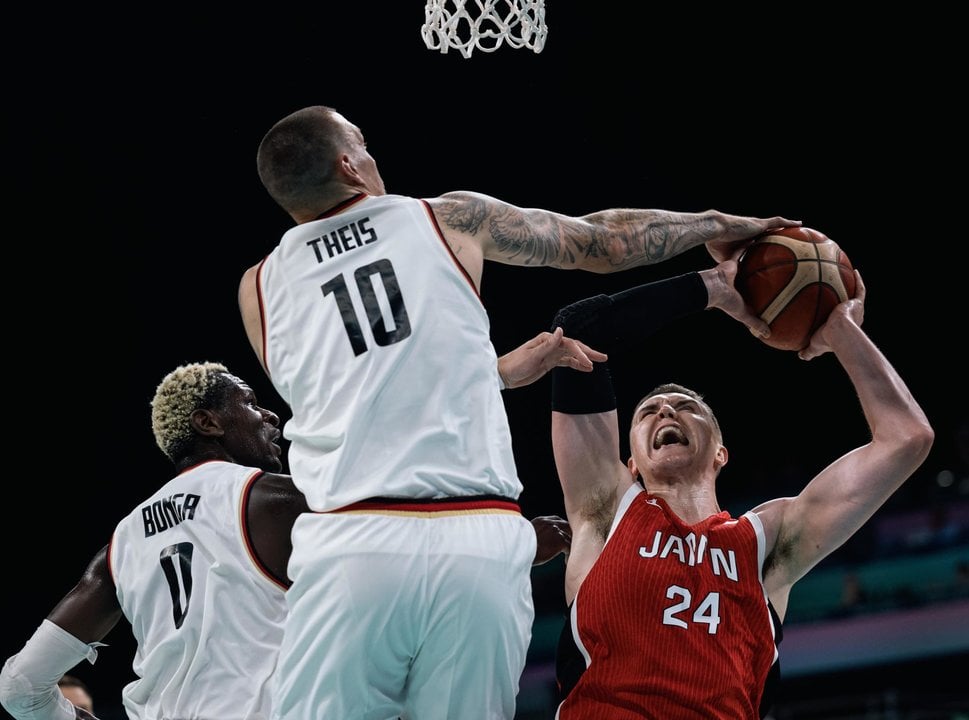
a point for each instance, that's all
(327, 204)
(691, 503)
(196, 458)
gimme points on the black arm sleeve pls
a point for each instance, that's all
(606, 323)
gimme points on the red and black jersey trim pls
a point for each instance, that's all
(471, 504)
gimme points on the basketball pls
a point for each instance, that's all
(793, 278)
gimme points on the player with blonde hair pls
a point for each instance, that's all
(199, 568)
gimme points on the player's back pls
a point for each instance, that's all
(208, 623)
(378, 341)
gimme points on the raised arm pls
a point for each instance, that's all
(585, 430)
(480, 227)
(843, 496)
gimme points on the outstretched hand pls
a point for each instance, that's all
(739, 232)
(722, 294)
(851, 310)
(533, 359)
(554, 535)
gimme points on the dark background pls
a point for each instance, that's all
(134, 208)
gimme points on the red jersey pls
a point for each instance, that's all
(672, 620)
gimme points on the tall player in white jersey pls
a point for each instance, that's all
(368, 320)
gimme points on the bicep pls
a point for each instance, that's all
(834, 505)
(506, 233)
(91, 609)
(586, 451)
(593, 478)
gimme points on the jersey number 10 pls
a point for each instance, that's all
(367, 288)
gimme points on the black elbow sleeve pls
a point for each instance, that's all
(587, 320)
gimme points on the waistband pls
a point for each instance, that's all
(432, 507)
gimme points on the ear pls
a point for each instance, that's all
(347, 169)
(633, 470)
(206, 423)
(720, 459)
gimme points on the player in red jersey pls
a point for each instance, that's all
(675, 606)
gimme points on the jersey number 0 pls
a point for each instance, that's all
(176, 563)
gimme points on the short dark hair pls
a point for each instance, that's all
(296, 159)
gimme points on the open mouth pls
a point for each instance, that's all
(669, 435)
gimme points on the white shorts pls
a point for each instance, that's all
(416, 611)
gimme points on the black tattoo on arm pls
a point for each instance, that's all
(467, 216)
(603, 241)
(523, 240)
(519, 239)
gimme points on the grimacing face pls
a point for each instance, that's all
(674, 429)
(647, 403)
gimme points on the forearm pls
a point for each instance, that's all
(479, 227)
(614, 240)
(28, 681)
(892, 413)
(847, 492)
(608, 322)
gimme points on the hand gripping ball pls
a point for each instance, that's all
(793, 278)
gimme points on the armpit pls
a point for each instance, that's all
(600, 510)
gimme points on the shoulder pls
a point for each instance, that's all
(276, 493)
(770, 514)
(249, 284)
(460, 197)
(274, 504)
(780, 544)
(251, 273)
(464, 210)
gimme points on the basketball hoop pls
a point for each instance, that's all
(484, 24)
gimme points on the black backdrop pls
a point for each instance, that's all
(134, 207)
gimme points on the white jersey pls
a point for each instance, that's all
(378, 341)
(207, 620)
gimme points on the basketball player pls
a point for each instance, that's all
(199, 568)
(367, 318)
(675, 607)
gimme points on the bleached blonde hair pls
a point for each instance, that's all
(181, 392)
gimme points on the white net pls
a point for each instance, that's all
(484, 24)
